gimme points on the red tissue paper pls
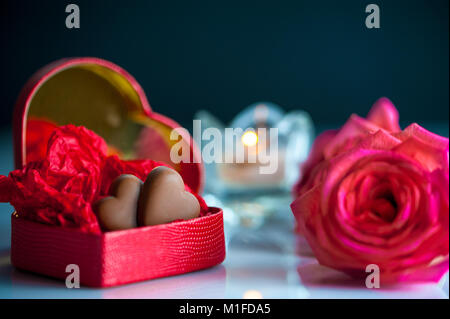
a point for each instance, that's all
(38, 133)
(75, 172)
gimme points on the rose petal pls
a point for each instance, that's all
(415, 130)
(349, 135)
(381, 140)
(430, 156)
(314, 158)
(385, 115)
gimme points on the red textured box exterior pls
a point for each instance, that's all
(120, 257)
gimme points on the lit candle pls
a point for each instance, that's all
(248, 173)
(251, 160)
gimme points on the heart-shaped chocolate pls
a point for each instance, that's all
(164, 199)
(119, 210)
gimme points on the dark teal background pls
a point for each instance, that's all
(224, 55)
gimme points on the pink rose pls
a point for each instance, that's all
(373, 194)
(383, 115)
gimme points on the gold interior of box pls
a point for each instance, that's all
(103, 101)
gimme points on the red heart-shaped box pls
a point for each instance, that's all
(106, 99)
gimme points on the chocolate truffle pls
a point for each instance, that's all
(164, 199)
(119, 210)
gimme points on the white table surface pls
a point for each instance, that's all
(270, 262)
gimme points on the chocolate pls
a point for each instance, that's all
(164, 199)
(119, 210)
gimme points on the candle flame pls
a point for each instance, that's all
(249, 138)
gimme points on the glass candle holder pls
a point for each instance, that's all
(261, 152)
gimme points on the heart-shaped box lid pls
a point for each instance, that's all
(106, 99)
